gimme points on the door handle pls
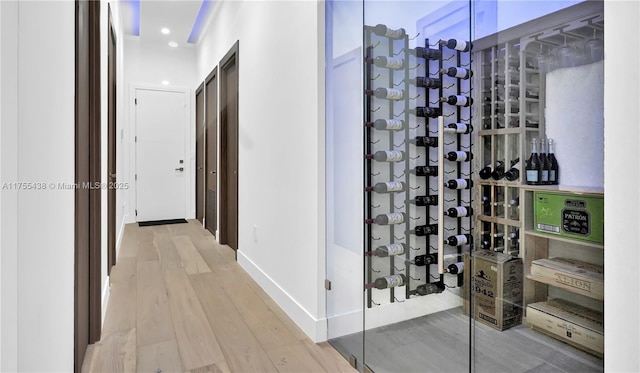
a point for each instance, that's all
(212, 172)
(180, 169)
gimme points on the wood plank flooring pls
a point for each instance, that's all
(180, 303)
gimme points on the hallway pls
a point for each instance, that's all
(180, 302)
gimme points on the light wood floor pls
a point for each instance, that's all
(179, 302)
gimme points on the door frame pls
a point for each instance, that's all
(88, 162)
(212, 174)
(203, 163)
(112, 136)
(189, 146)
(226, 148)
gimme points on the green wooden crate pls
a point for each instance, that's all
(569, 215)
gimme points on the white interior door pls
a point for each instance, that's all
(161, 163)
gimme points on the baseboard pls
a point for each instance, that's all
(345, 324)
(315, 329)
(120, 235)
(106, 292)
(386, 314)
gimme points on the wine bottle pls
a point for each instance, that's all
(498, 242)
(459, 240)
(421, 81)
(459, 128)
(426, 53)
(457, 44)
(424, 230)
(544, 162)
(387, 156)
(459, 184)
(386, 93)
(459, 156)
(514, 172)
(486, 199)
(486, 171)
(387, 124)
(531, 94)
(531, 123)
(387, 187)
(459, 211)
(514, 202)
(425, 171)
(389, 281)
(533, 165)
(427, 112)
(388, 219)
(392, 63)
(486, 242)
(390, 250)
(426, 259)
(498, 171)
(455, 268)
(430, 288)
(554, 168)
(383, 30)
(457, 100)
(425, 141)
(425, 201)
(457, 72)
(514, 235)
(486, 122)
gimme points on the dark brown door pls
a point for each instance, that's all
(229, 148)
(211, 112)
(111, 130)
(200, 160)
(87, 291)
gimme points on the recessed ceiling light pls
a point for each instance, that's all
(165, 82)
(165, 31)
(173, 44)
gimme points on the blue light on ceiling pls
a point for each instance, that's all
(200, 20)
(134, 6)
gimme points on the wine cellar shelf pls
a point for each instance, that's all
(563, 274)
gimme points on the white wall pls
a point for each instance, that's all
(281, 159)
(621, 180)
(0, 194)
(38, 145)
(148, 64)
(9, 198)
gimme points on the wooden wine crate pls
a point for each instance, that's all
(570, 274)
(496, 284)
(569, 322)
(569, 215)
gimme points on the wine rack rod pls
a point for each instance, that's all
(367, 169)
(407, 178)
(427, 151)
(441, 190)
(392, 169)
(461, 164)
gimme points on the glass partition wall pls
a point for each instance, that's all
(449, 247)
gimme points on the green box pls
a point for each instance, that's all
(569, 215)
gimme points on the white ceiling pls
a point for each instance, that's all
(177, 16)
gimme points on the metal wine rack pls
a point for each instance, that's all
(380, 140)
